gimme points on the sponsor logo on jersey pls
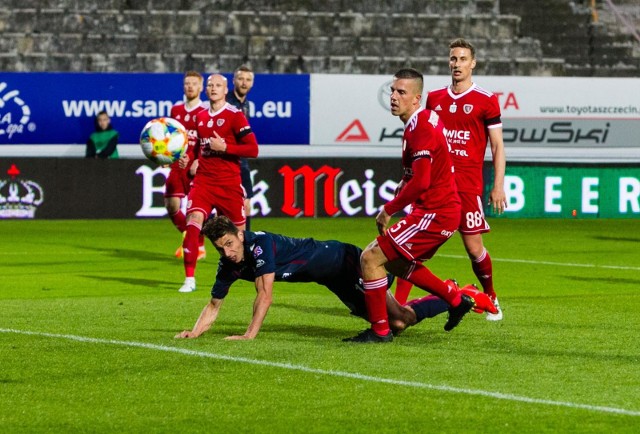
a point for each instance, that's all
(438, 108)
(420, 154)
(454, 135)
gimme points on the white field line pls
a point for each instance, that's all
(342, 374)
(441, 255)
(558, 264)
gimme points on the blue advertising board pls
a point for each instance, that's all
(59, 108)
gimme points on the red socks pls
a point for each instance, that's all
(403, 288)
(423, 278)
(179, 220)
(483, 270)
(190, 248)
(375, 296)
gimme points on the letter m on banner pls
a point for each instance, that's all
(310, 179)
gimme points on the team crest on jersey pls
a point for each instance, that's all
(453, 108)
(220, 122)
(257, 252)
(210, 123)
(467, 108)
(187, 117)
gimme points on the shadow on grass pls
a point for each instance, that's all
(139, 255)
(163, 284)
(332, 311)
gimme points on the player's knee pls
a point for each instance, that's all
(196, 217)
(369, 258)
(171, 205)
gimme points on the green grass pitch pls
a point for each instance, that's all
(89, 308)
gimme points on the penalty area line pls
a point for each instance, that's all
(342, 374)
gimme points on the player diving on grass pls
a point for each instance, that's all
(265, 258)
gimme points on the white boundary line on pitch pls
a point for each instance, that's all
(342, 374)
(442, 255)
(560, 264)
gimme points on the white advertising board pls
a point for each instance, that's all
(546, 112)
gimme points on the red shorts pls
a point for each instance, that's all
(418, 236)
(472, 219)
(227, 200)
(178, 184)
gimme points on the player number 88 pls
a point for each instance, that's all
(474, 219)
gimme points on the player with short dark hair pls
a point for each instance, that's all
(471, 115)
(224, 136)
(178, 182)
(264, 258)
(429, 187)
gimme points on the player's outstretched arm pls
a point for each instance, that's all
(205, 320)
(264, 289)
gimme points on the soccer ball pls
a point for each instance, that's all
(163, 140)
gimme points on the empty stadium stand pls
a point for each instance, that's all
(513, 37)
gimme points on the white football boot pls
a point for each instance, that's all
(495, 316)
(189, 285)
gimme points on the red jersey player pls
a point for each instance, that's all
(471, 115)
(428, 185)
(179, 180)
(224, 136)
